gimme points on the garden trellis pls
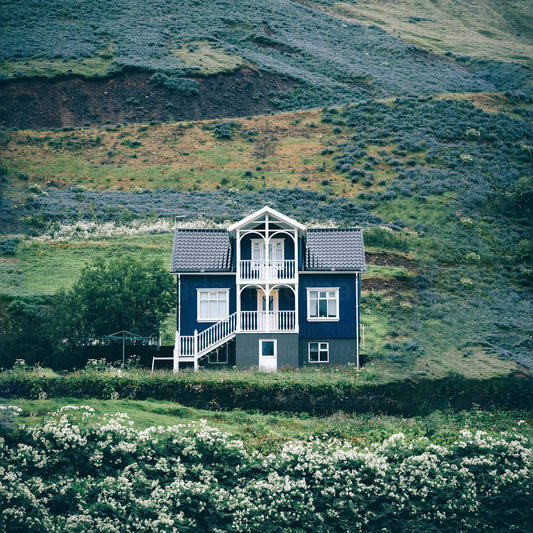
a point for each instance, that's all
(125, 336)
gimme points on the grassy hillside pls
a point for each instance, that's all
(483, 29)
(332, 58)
(440, 186)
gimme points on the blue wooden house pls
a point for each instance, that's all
(267, 293)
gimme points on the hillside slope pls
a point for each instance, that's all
(226, 58)
(440, 185)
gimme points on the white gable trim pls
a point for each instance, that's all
(266, 210)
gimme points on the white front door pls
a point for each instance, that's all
(268, 354)
(267, 316)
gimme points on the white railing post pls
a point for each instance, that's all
(195, 349)
(177, 352)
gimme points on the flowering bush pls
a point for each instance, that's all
(72, 474)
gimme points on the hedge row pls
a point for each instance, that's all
(288, 392)
(69, 475)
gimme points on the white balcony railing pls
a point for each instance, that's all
(268, 321)
(190, 348)
(267, 270)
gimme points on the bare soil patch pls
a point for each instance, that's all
(34, 103)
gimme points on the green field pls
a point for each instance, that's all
(267, 432)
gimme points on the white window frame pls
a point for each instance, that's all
(323, 318)
(275, 341)
(211, 319)
(320, 348)
(263, 252)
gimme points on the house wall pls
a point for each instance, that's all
(345, 327)
(247, 349)
(189, 301)
(341, 351)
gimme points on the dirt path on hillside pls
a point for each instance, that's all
(129, 97)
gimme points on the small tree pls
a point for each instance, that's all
(120, 294)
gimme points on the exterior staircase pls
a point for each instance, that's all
(191, 348)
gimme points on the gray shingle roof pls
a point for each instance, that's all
(201, 250)
(335, 249)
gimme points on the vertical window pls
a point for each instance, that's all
(219, 356)
(319, 352)
(213, 304)
(268, 348)
(323, 304)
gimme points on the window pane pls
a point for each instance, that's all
(204, 296)
(267, 348)
(322, 308)
(212, 309)
(323, 294)
(332, 308)
(313, 352)
(203, 309)
(221, 309)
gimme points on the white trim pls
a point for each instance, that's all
(198, 273)
(263, 249)
(331, 271)
(318, 351)
(266, 210)
(209, 289)
(335, 318)
(357, 321)
(270, 360)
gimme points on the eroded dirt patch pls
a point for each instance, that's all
(390, 259)
(129, 97)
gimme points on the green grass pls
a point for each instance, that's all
(479, 28)
(43, 268)
(89, 67)
(202, 58)
(267, 432)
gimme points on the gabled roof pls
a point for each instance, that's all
(201, 250)
(259, 215)
(335, 249)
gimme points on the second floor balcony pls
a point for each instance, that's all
(267, 271)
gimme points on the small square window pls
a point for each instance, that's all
(319, 352)
(268, 348)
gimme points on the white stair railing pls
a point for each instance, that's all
(190, 348)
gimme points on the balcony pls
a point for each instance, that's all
(267, 321)
(267, 271)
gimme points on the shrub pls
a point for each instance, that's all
(385, 238)
(74, 474)
(9, 246)
(176, 83)
(224, 130)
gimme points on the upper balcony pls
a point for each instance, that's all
(267, 271)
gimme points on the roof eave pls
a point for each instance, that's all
(251, 218)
